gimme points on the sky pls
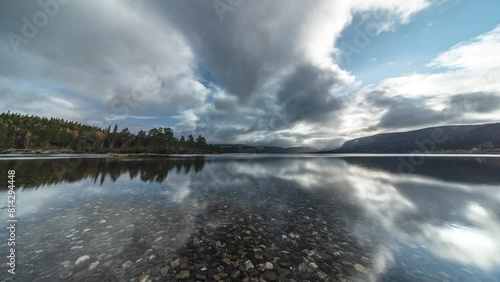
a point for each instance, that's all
(284, 73)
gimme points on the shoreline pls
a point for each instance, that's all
(153, 153)
(117, 153)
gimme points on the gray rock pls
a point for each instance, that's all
(270, 276)
(226, 261)
(201, 277)
(93, 265)
(183, 275)
(235, 274)
(322, 276)
(196, 242)
(175, 263)
(82, 259)
(127, 264)
(360, 268)
(164, 271)
(82, 262)
(66, 275)
(184, 261)
(249, 265)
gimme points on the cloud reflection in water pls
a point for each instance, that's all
(455, 221)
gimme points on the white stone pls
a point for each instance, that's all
(82, 259)
(249, 265)
(313, 265)
(93, 265)
(127, 264)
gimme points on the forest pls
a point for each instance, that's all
(34, 132)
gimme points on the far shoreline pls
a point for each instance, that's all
(166, 153)
(111, 153)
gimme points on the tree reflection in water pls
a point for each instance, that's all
(35, 173)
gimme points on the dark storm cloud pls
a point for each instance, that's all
(305, 94)
(410, 113)
(402, 112)
(479, 102)
(225, 103)
(250, 48)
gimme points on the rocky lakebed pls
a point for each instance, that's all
(149, 240)
(183, 220)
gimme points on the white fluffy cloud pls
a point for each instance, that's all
(470, 66)
(462, 86)
(91, 56)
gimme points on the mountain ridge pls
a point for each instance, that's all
(480, 138)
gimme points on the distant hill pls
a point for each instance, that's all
(484, 138)
(242, 148)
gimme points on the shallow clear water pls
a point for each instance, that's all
(300, 217)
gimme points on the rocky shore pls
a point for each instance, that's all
(109, 152)
(37, 151)
(217, 239)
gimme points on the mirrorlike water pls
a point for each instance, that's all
(245, 217)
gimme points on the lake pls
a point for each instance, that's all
(245, 217)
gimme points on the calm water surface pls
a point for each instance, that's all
(251, 217)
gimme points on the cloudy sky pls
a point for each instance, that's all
(286, 73)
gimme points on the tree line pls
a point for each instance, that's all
(34, 132)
